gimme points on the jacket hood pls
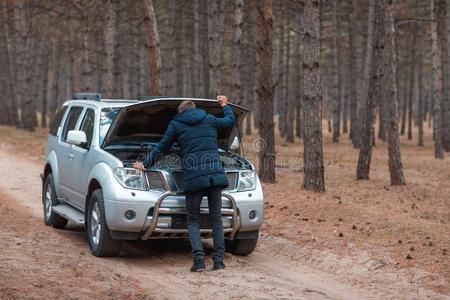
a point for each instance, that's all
(146, 121)
(191, 116)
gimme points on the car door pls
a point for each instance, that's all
(82, 160)
(64, 153)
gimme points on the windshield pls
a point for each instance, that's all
(107, 116)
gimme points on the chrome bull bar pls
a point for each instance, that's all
(158, 210)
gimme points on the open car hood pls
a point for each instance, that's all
(147, 121)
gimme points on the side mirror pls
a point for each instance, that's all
(235, 144)
(77, 138)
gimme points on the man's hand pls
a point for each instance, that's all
(138, 165)
(223, 100)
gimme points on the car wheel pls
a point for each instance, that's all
(49, 200)
(100, 240)
(241, 246)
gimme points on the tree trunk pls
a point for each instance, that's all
(87, 71)
(412, 72)
(383, 116)
(365, 152)
(154, 56)
(235, 94)
(197, 48)
(12, 117)
(298, 76)
(280, 84)
(109, 33)
(288, 98)
(215, 31)
(352, 61)
(420, 96)
(168, 50)
(314, 178)
(336, 92)
(366, 75)
(204, 38)
(445, 52)
(249, 61)
(436, 14)
(266, 145)
(389, 65)
(404, 104)
(27, 104)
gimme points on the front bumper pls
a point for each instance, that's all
(155, 216)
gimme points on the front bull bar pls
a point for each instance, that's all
(158, 210)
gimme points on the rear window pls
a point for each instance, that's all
(71, 120)
(57, 121)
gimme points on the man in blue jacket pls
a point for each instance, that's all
(196, 133)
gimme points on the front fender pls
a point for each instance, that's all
(52, 160)
(103, 173)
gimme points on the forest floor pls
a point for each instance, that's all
(359, 239)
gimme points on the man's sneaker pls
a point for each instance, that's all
(198, 266)
(219, 265)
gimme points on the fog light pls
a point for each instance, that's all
(130, 214)
(252, 214)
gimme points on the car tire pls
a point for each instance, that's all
(241, 246)
(100, 241)
(49, 199)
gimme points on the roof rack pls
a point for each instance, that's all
(87, 96)
(142, 98)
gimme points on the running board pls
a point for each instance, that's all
(70, 213)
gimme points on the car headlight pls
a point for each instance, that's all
(130, 178)
(247, 181)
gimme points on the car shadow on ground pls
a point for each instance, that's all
(140, 248)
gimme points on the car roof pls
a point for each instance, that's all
(102, 103)
(125, 102)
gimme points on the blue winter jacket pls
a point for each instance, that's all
(196, 133)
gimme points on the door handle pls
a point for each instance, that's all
(70, 156)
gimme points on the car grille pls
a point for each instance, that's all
(155, 181)
(232, 179)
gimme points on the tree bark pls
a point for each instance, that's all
(215, 30)
(12, 117)
(154, 56)
(412, 72)
(197, 48)
(298, 74)
(235, 94)
(280, 84)
(352, 61)
(389, 65)
(109, 36)
(445, 52)
(420, 96)
(288, 98)
(266, 145)
(314, 178)
(27, 104)
(249, 62)
(366, 74)
(436, 15)
(336, 92)
(365, 152)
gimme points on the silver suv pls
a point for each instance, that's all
(88, 176)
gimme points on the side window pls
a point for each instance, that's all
(88, 125)
(57, 121)
(71, 121)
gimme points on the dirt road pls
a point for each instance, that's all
(37, 261)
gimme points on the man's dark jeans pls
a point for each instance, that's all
(193, 202)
